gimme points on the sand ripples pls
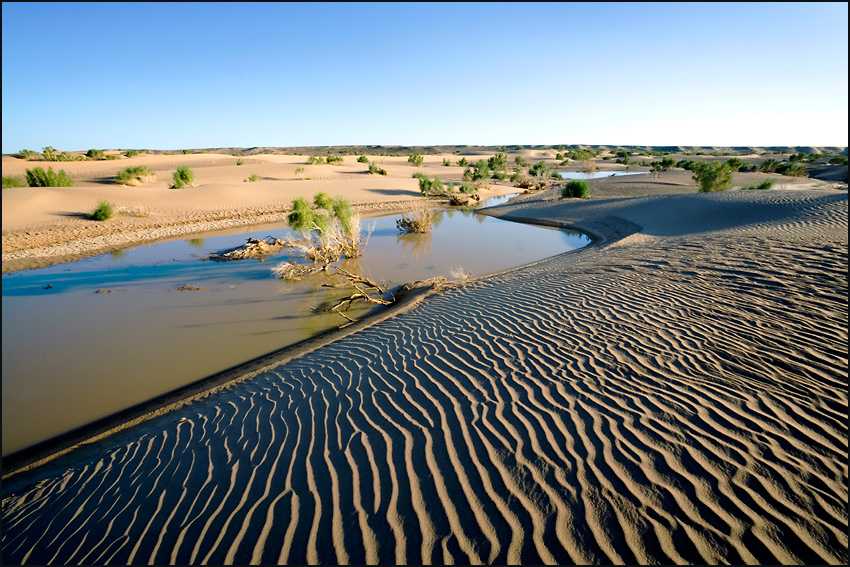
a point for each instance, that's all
(676, 401)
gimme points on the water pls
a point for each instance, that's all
(72, 355)
(595, 174)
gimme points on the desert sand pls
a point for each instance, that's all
(47, 225)
(675, 393)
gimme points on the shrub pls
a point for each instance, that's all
(49, 153)
(95, 154)
(102, 212)
(131, 153)
(182, 177)
(362, 159)
(768, 165)
(375, 169)
(793, 169)
(38, 177)
(299, 171)
(322, 201)
(333, 230)
(764, 185)
(419, 222)
(252, 178)
(13, 181)
(735, 163)
(576, 189)
(239, 162)
(463, 162)
(333, 159)
(446, 163)
(712, 176)
(477, 171)
(838, 160)
(520, 161)
(431, 187)
(539, 169)
(498, 162)
(499, 175)
(135, 175)
(28, 155)
(416, 159)
(315, 160)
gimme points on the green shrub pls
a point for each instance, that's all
(362, 159)
(38, 177)
(315, 160)
(735, 163)
(431, 187)
(13, 181)
(28, 155)
(477, 171)
(375, 169)
(446, 163)
(539, 169)
(49, 153)
(463, 162)
(252, 178)
(239, 162)
(333, 159)
(182, 177)
(102, 212)
(95, 154)
(769, 166)
(499, 175)
(576, 189)
(133, 175)
(764, 185)
(520, 161)
(793, 169)
(712, 176)
(838, 160)
(132, 153)
(498, 162)
(322, 201)
(416, 159)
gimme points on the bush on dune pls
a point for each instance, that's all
(102, 212)
(28, 155)
(38, 177)
(763, 186)
(132, 153)
(315, 160)
(576, 189)
(182, 177)
(416, 159)
(712, 176)
(362, 159)
(333, 159)
(13, 181)
(135, 175)
(792, 169)
(252, 178)
(95, 154)
(375, 169)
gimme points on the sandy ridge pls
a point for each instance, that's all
(678, 395)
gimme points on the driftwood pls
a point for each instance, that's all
(253, 248)
(463, 199)
(418, 223)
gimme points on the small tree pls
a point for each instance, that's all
(712, 176)
(182, 177)
(539, 169)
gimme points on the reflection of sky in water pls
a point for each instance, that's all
(595, 174)
(460, 238)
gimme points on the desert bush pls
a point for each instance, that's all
(793, 169)
(375, 169)
(499, 175)
(28, 155)
(331, 231)
(576, 189)
(135, 175)
(764, 185)
(431, 187)
(418, 222)
(362, 159)
(477, 171)
(13, 181)
(333, 159)
(252, 178)
(49, 153)
(446, 163)
(838, 160)
(315, 160)
(498, 162)
(95, 154)
(712, 176)
(102, 212)
(132, 153)
(520, 161)
(299, 171)
(239, 162)
(467, 188)
(539, 169)
(182, 177)
(769, 166)
(735, 163)
(463, 162)
(322, 201)
(416, 159)
(686, 164)
(38, 177)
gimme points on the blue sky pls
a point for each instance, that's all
(77, 76)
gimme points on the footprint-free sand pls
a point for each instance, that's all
(675, 393)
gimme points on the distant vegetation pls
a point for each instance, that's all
(333, 159)
(252, 178)
(13, 181)
(95, 154)
(102, 212)
(575, 189)
(132, 153)
(28, 155)
(712, 176)
(135, 175)
(38, 177)
(182, 177)
(315, 160)
(416, 159)
(375, 169)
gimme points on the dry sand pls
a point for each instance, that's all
(48, 225)
(676, 393)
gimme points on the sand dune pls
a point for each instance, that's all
(677, 393)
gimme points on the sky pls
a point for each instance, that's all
(168, 76)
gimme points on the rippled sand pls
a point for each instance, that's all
(675, 394)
